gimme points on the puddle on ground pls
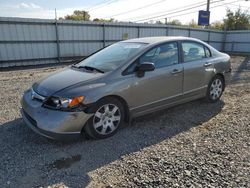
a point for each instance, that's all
(65, 162)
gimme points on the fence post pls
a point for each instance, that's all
(208, 40)
(57, 43)
(167, 31)
(224, 41)
(138, 32)
(224, 38)
(103, 35)
(232, 47)
(189, 32)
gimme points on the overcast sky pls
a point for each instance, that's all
(107, 8)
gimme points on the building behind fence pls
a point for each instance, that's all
(38, 41)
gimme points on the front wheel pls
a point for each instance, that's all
(215, 89)
(107, 119)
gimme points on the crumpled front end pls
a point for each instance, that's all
(54, 124)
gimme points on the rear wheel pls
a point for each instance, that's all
(215, 89)
(107, 119)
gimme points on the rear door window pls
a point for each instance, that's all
(192, 51)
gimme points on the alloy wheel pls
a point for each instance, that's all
(216, 89)
(106, 119)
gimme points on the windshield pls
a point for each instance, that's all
(112, 56)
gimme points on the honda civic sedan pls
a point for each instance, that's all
(122, 81)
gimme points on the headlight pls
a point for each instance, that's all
(64, 103)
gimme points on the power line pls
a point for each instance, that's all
(224, 4)
(96, 5)
(102, 5)
(169, 13)
(176, 11)
(139, 8)
(196, 10)
(138, 17)
(238, 5)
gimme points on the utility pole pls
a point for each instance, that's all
(57, 39)
(208, 5)
(55, 14)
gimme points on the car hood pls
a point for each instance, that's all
(63, 79)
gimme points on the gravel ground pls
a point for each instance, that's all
(192, 145)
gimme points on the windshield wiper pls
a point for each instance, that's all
(88, 68)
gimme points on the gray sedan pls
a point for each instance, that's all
(122, 81)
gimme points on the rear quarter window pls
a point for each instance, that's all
(207, 52)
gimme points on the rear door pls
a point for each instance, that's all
(196, 62)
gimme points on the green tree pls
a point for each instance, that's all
(78, 15)
(103, 20)
(238, 20)
(217, 25)
(174, 22)
(159, 22)
(193, 24)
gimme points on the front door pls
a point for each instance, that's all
(164, 84)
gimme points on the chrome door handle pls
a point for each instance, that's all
(176, 71)
(207, 64)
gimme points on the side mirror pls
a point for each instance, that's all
(144, 67)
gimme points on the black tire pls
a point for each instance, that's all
(95, 133)
(212, 96)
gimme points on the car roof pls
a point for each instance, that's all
(154, 40)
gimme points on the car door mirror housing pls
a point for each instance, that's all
(144, 67)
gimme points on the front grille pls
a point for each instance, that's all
(32, 121)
